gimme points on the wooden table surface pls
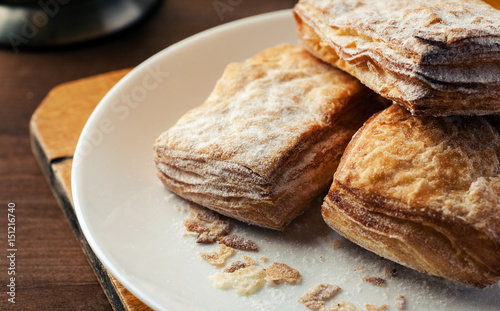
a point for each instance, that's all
(52, 273)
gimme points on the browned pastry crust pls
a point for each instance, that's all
(268, 139)
(434, 57)
(424, 192)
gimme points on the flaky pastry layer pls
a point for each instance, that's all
(434, 57)
(424, 192)
(268, 139)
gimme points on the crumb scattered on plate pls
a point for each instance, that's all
(370, 307)
(250, 261)
(243, 281)
(239, 242)
(203, 214)
(218, 258)
(216, 231)
(341, 306)
(195, 225)
(315, 298)
(279, 272)
(235, 265)
(247, 279)
(315, 305)
(374, 280)
(400, 302)
(197, 222)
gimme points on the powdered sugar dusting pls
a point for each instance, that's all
(257, 112)
(405, 23)
(428, 52)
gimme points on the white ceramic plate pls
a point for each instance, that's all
(135, 225)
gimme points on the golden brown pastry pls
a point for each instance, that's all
(424, 192)
(434, 57)
(268, 139)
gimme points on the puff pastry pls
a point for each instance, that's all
(268, 139)
(434, 57)
(424, 192)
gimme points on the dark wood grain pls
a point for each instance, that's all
(51, 272)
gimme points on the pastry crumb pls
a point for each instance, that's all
(358, 268)
(244, 281)
(374, 280)
(370, 307)
(238, 242)
(400, 302)
(264, 259)
(205, 238)
(236, 265)
(189, 233)
(250, 261)
(315, 298)
(337, 244)
(279, 272)
(247, 279)
(218, 258)
(195, 225)
(314, 305)
(219, 229)
(342, 306)
(202, 213)
(216, 231)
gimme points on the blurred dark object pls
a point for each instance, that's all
(46, 23)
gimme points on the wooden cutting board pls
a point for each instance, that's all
(54, 130)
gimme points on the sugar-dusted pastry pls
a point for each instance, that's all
(434, 57)
(424, 192)
(268, 139)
